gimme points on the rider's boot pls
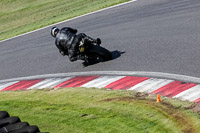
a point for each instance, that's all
(98, 41)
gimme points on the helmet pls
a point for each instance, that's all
(54, 31)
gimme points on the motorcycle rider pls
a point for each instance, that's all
(68, 42)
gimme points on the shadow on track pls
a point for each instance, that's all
(115, 54)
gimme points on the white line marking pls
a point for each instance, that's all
(3, 86)
(71, 19)
(103, 81)
(189, 94)
(150, 85)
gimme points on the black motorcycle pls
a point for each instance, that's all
(93, 52)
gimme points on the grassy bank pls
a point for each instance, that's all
(81, 110)
(20, 16)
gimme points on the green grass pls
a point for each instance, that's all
(81, 110)
(20, 16)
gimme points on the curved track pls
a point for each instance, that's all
(153, 36)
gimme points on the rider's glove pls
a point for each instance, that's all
(98, 41)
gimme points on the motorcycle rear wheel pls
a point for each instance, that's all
(98, 51)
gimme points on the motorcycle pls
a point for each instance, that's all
(93, 52)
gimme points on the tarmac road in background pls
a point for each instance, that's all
(154, 36)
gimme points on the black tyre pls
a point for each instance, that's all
(27, 129)
(9, 120)
(101, 52)
(12, 127)
(3, 114)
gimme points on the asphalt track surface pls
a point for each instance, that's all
(152, 36)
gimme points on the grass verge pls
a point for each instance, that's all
(81, 110)
(20, 16)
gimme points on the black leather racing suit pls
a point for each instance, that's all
(68, 42)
